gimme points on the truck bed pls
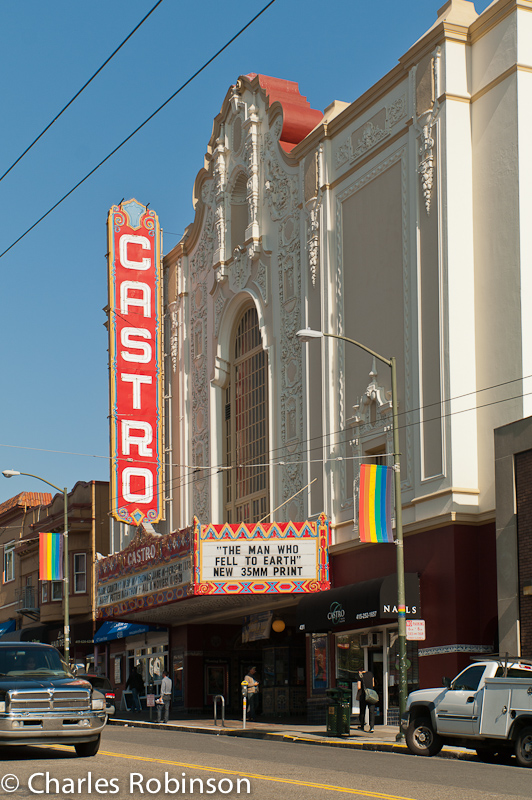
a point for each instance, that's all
(505, 699)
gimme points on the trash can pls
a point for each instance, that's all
(339, 712)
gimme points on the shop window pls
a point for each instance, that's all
(319, 662)
(349, 657)
(80, 573)
(9, 562)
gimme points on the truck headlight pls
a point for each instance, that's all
(98, 705)
(2, 706)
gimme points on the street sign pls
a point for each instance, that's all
(415, 630)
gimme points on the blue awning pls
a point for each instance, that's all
(7, 627)
(119, 630)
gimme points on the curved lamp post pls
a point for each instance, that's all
(306, 335)
(11, 473)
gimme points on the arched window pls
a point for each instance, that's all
(246, 426)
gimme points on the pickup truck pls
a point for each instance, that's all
(42, 702)
(487, 708)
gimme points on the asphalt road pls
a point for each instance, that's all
(134, 763)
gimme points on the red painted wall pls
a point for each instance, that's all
(458, 588)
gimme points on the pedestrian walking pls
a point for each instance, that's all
(136, 684)
(163, 704)
(253, 693)
(365, 681)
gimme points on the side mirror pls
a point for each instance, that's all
(446, 682)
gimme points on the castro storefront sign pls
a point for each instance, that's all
(262, 558)
(135, 361)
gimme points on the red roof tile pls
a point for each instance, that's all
(26, 500)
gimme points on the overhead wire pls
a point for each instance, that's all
(131, 135)
(301, 451)
(113, 54)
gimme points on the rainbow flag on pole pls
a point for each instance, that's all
(50, 556)
(375, 503)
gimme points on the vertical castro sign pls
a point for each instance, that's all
(135, 363)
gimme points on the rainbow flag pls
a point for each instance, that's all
(375, 503)
(50, 556)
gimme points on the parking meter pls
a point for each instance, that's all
(244, 685)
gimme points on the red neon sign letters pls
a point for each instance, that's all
(135, 364)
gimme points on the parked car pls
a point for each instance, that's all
(104, 686)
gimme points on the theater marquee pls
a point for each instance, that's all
(263, 558)
(150, 572)
(135, 363)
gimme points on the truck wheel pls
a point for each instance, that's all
(421, 738)
(523, 748)
(86, 749)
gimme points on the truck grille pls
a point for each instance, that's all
(48, 700)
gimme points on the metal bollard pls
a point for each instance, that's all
(222, 698)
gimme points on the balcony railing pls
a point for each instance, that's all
(27, 602)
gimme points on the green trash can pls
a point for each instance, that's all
(339, 712)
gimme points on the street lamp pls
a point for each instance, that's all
(10, 473)
(306, 335)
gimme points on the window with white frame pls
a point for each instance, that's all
(80, 573)
(9, 562)
(44, 591)
(57, 590)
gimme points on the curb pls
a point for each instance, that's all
(374, 746)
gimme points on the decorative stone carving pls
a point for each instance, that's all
(426, 164)
(202, 258)
(240, 271)
(313, 243)
(173, 314)
(374, 131)
(371, 135)
(252, 152)
(426, 91)
(280, 188)
(261, 279)
(396, 111)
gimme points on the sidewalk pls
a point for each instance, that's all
(285, 730)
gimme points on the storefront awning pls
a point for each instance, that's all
(357, 604)
(7, 627)
(119, 630)
(38, 633)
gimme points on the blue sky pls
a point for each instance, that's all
(54, 398)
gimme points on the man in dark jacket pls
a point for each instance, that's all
(136, 684)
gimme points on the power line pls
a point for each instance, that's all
(21, 156)
(322, 438)
(131, 135)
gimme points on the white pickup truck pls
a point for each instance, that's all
(487, 707)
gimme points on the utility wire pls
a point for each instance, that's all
(131, 135)
(320, 439)
(21, 156)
